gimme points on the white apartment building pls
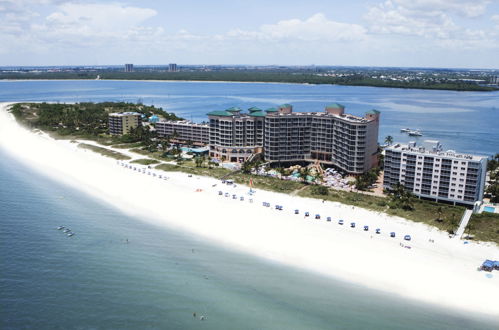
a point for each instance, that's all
(429, 172)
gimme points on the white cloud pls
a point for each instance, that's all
(314, 28)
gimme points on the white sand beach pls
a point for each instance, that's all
(443, 273)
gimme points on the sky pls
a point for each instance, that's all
(402, 33)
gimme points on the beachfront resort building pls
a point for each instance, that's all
(332, 137)
(235, 136)
(429, 172)
(184, 131)
(121, 122)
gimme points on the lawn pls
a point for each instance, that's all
(484, 227)
(144, 161)
(104, 151)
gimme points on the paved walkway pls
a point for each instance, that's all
(464, 222)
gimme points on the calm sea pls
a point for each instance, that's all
(119, 272)
(462, 121)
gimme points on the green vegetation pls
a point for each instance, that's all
(484, 227)
(104, 151)
(83, 120)
(358, 79)
(366, 180)
(493, 188)
(144, 161)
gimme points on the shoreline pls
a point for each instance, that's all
(441, 273)
(256, 82)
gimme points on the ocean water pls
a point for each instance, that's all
(119, 272)
(462, 121)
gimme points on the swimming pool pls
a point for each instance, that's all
(489, 209)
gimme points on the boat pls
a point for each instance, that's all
(71, 234)
(415, 133)
(405, 130)
(60, 227)
(67, 230)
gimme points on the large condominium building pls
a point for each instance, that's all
(121, 123)
(129, 67)
(184, 131)
(430, 172)
(332, 137)
(235, 136)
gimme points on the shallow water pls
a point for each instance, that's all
(121, 272)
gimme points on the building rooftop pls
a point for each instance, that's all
(433, 148)
(271, 110)
(253, 109)
(223, 113)
(335, 106)
(373, 112)
(183, 122)
(259, 113)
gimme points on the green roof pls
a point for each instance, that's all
(257, 114)
(271, 110)
(233, 109)
(286, 105)
(220, 113)
(253, 109)
(373, 112)
(335, 106)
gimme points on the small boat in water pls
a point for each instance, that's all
(60, 227)
(415, 133)
(67, 230)
(71, 234)
(405, 130)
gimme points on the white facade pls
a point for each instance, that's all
(429, 172)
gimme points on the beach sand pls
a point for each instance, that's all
(443, 273)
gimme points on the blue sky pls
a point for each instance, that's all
(428, 33)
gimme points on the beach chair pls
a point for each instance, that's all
(307, 214)
(329, 219)
(366, 228)
(392, 234)
(340, 222)
(407, 237)
(317, 216)
(378, 231)
(297, 211)
(352, 225)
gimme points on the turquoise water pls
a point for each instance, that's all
(463, 121)
(489, 209)
(159, 278)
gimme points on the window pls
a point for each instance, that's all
(453, 184)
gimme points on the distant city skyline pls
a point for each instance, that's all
(393, 33)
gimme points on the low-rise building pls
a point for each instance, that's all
(121, 122)
(429, 172)
(184, 131)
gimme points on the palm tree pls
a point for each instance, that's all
(389, 140)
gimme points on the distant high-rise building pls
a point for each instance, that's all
(172, 67)
(128, 67)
